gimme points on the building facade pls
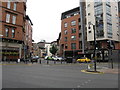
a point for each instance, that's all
(100, 13)
(28, 37)
(70, 32)
(78, 25)
(35, 50)
(47, 49)
(119, 18)
(12, 30)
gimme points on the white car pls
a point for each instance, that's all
(57, 58)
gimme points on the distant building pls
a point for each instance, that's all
(12, 30)
(35, 50)
(41, 46)
(47, 49)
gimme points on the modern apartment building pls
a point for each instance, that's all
(100, 13)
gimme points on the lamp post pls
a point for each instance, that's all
(94, 28)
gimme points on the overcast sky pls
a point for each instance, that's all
(46, 17)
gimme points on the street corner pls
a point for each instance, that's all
(92, 72)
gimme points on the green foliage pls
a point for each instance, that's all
(53, 49)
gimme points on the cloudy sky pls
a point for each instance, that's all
(46, 17)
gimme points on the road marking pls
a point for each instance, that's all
(84, 83)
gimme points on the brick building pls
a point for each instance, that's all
(28, 37)
(71, 33)
(12, 29)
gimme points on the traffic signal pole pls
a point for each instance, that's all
(110, 47)
(94, 27)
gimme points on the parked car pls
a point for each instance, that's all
(49, 58)
(83, 59)
(58, 58)
(35, 59)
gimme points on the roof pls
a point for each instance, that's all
(27, 18)
(69, 12)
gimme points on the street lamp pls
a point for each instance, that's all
(94, 28)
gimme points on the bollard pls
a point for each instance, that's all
(54, 61)
(61, 61)
(47, 62)
(40, 61)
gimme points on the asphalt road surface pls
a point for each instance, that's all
(54, 76)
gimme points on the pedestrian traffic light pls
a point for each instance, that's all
(110, 44)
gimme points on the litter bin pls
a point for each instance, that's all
(69, 59)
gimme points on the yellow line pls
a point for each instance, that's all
(85, 71)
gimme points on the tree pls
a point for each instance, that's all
(53, 49)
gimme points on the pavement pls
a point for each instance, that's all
(112, 71)
(106, 68)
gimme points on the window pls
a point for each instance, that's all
(14, 19)
(73, 37)
(66, 46)
(13, 32)
(73, 23)
(7, 18)
(109, 19)
(6, 32)
(65, 31)
(73, 30)
(8, 5)
(73, 45)
(108, 9)
(88, 5)
(15, 6)
(109, 28)
(98, 10)
(65, 24)
(98, 2)
(79, 20)
(108, 2)
(65, 39)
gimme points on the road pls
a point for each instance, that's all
(54, 76)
